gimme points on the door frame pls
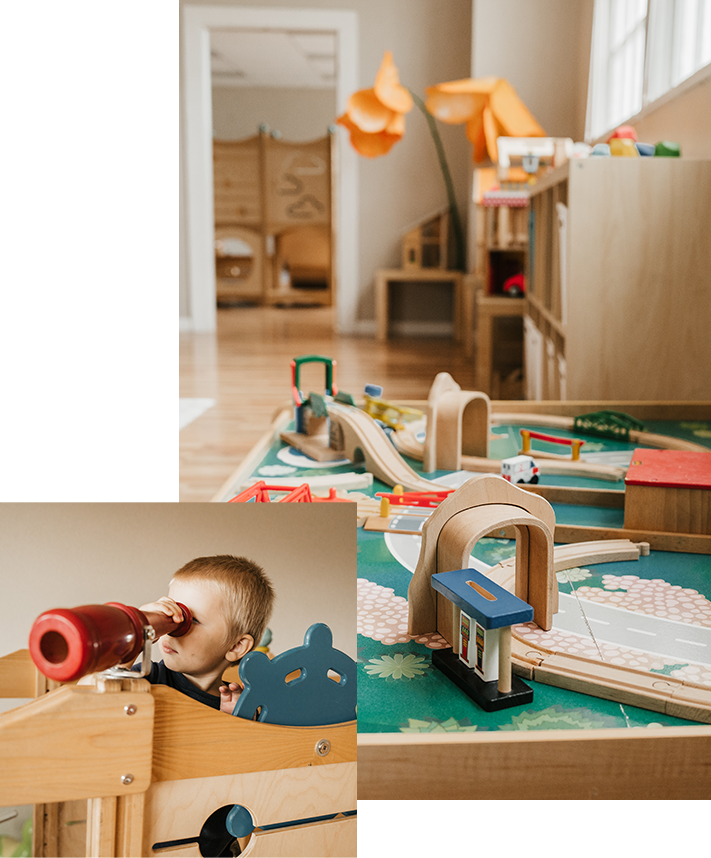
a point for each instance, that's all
(198, 226)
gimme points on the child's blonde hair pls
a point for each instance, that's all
(249, 594)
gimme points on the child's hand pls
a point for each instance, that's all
(164, 605)
(229, 694)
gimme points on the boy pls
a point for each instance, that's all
(231, 600)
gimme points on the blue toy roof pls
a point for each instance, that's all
(492, 611)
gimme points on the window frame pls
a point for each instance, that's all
(660, 55)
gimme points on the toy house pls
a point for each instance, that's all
(426, 245)
(669, 490)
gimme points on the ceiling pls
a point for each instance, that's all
(271, 58)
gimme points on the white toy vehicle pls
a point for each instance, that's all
(519, 469)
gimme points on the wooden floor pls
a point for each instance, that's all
(246, 368)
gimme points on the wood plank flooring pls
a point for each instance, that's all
(246, 368)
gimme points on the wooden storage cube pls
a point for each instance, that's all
(669, 490)
(628, 289)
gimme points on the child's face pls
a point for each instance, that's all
(203, 648)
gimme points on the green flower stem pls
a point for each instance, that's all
(460, 262)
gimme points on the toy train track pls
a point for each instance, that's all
(360, 432)
(660, 693)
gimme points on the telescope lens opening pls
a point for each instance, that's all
(54, 647)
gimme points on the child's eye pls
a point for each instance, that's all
(196, 622)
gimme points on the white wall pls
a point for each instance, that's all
(64, 555)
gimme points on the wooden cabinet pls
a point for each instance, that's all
(273, 220)
(618, 304)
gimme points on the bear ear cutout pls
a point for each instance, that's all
(319, 635)
(295, 687)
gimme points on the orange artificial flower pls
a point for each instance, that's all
(491, 108)
(375, 117)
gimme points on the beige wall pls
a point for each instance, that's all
(542, 47)
(64, 555)
(299, 114)
(685, 119)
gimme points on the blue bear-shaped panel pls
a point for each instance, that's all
(310, 699)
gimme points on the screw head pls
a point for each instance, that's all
(126, 779)
(323, 747)
(130, 709)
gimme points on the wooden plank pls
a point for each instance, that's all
(17, 674)
(615, 764)
(608, 498)
(215, 743)
(651, 410)
(336, 838)
(45, 830)
(101, 827)
(177, 809)
(635, 282)
(129, 825)
(82, 742)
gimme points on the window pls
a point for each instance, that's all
(640, 50)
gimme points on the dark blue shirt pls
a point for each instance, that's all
(162, 675)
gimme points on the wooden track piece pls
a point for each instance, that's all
(361, 432)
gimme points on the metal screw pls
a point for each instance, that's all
(323, 747)
(130, 709)
(126, 779)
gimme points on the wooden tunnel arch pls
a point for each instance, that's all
(482, 505)
(458, 422)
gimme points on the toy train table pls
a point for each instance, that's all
(612, 548)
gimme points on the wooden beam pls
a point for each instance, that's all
(215, 743)
(615, 764)
(692, 543)
(81, 741)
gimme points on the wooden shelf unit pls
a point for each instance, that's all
(501, 251)
(618, 300)
(275, 196)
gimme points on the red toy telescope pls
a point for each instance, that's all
(66, 644)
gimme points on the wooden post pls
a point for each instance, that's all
(504, 685)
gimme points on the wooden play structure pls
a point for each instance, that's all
(123, 768)
(273, 220)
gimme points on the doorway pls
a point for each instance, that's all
(198, 226)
